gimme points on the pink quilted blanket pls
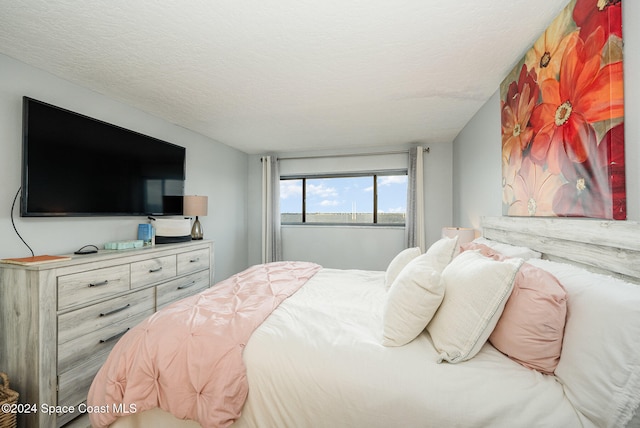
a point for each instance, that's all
(187, 357)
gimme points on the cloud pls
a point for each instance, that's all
(321, 190)
(290, 188)
(329, 203)
(387, 180)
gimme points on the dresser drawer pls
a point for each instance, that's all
(152, 270)
(73, 386)
(83, 287)
(193, 261)
(77, 323)
(82, 348)
(181, 287)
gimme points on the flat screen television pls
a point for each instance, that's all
(74, 165)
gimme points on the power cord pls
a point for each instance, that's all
(14, 224)
(87, 249)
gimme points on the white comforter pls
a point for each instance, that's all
(317, 361)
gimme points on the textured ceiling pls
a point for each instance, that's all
(285, 75)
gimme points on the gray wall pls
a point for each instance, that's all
(213, 169)
(355, 247)
(477, 178)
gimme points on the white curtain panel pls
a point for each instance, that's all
(415, 228)
(271, 243)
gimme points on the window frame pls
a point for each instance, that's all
(373, 174)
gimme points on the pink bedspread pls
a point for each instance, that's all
(187, 357)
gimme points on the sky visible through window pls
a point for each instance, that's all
(345, 195)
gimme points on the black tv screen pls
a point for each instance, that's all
(73, 165)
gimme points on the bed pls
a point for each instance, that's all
(338, 350)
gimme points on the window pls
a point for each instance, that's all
(359, 199)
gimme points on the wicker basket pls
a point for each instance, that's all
(7, 396)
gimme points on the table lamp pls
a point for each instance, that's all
(194, 205)
(464, 234)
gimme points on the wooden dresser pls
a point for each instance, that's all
(58, 321)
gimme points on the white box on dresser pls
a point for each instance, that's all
(58, 321)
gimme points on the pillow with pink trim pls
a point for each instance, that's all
(508, 249)
(484, 250)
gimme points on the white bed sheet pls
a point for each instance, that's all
(317, 361)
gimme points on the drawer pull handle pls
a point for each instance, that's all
(191, 284)
(115, 336)
(158, 269)
(113, 311)
(98, 284)
(197, 259)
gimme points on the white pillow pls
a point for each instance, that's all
(476, 290)
(509, 250)
(599, 364)
(398, 263)
(411, 302)
(441, 252)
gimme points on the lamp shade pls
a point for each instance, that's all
(195, 205)
(464, 234)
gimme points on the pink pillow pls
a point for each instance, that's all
(531, 328)
(484, 250)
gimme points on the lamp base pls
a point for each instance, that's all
(196, 230)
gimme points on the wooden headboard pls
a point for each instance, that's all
(610, 247)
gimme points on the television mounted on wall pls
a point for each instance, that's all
(74, 166)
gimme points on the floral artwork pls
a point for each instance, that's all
(562, 111)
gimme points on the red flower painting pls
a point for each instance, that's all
(516, 113)
(564, 125)
(590, 15)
